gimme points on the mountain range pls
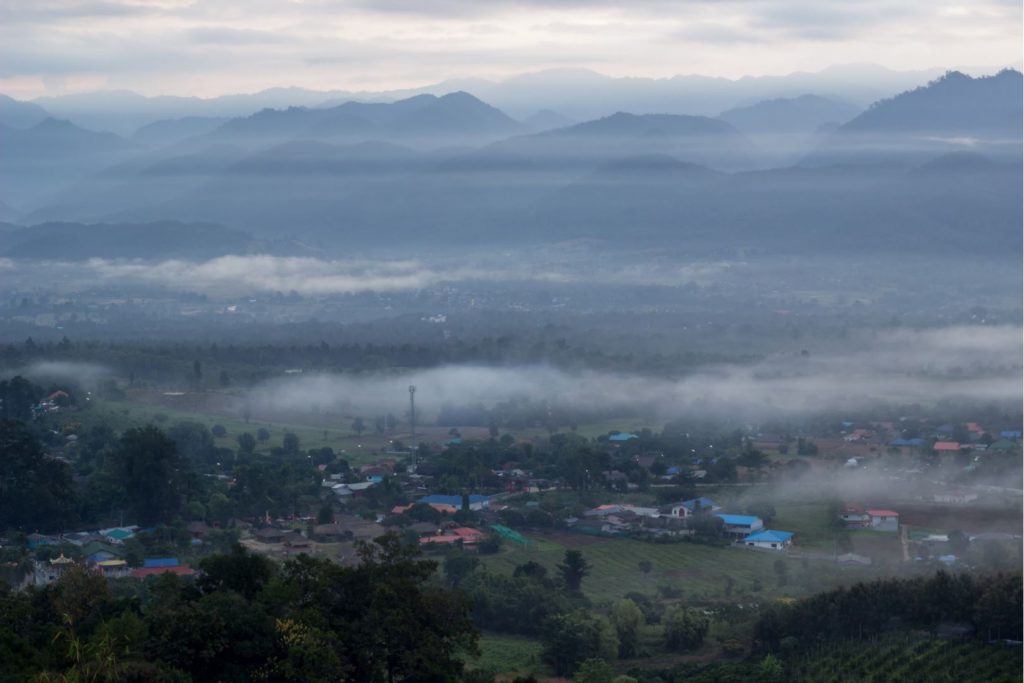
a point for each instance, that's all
(935, 167)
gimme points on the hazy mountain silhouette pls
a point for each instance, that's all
(41, 159)
(954, 112)
(163, 240)
(170, 131)
(17, 114)
(545, 119)
(797, 115)
(425, 119)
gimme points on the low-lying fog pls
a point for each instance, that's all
(972, 364)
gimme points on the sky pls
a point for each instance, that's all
(213, 47)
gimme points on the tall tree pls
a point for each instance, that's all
(36, 492)
(573, 569)
(152, 476)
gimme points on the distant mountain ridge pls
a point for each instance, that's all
(952, 113)
(577, 94)
(77, 241)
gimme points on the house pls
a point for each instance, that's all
(855, 517)
(468, 535)
(117, 535)
(622, 437)
(904, 443)
(883, 520)
(36, 541)
(441, 540)
(687, 507)
(476, 501)
(114, 569)
(94, 552)
(329, 533)
(356, 490)
(160, 562)
(269, 535)
(423, 529)
(294, 539)
(946, 447)
(769, 539)
(740, 525)
(46, 573)
(1010, 434)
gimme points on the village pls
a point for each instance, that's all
(926, 478)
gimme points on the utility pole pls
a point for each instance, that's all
(412, 420)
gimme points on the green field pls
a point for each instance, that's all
(506, 654)
(699, 571)
(898, 658)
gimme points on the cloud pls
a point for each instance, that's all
(231, 276)
(83, 374)
(972, 364)
(206, 48)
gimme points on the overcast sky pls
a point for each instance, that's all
(213, 47)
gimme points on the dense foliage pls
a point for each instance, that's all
(245, 619)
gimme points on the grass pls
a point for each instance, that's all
(506, 654)
(809, 521)
(699, 571)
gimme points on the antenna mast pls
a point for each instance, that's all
(412, 420)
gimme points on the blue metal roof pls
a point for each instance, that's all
(705, 503)
(739, 520)
(770, 536)
(160, 562)
(916, 441)
(622, 436)
(1010, 434)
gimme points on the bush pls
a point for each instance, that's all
(219, 431)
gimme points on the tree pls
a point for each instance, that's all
(147, 468)
(771, 670)
(246, 443)
(36, 492)
(626, 618)
(219, 431)
(594, 671)
(290, 443)
(570, 639)
(645, 567)
(325, 515)
(241, 571)
(458, 565)
(684, 628)
(197, 374)
(358, 426)
(224, 379)
(573, 569)
(263, 434)
(17, 397)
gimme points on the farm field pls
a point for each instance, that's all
(700, 572)
(907, 661)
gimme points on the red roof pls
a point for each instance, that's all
(946, 446)
(143, 572)
(468, 535)
(883, 513)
